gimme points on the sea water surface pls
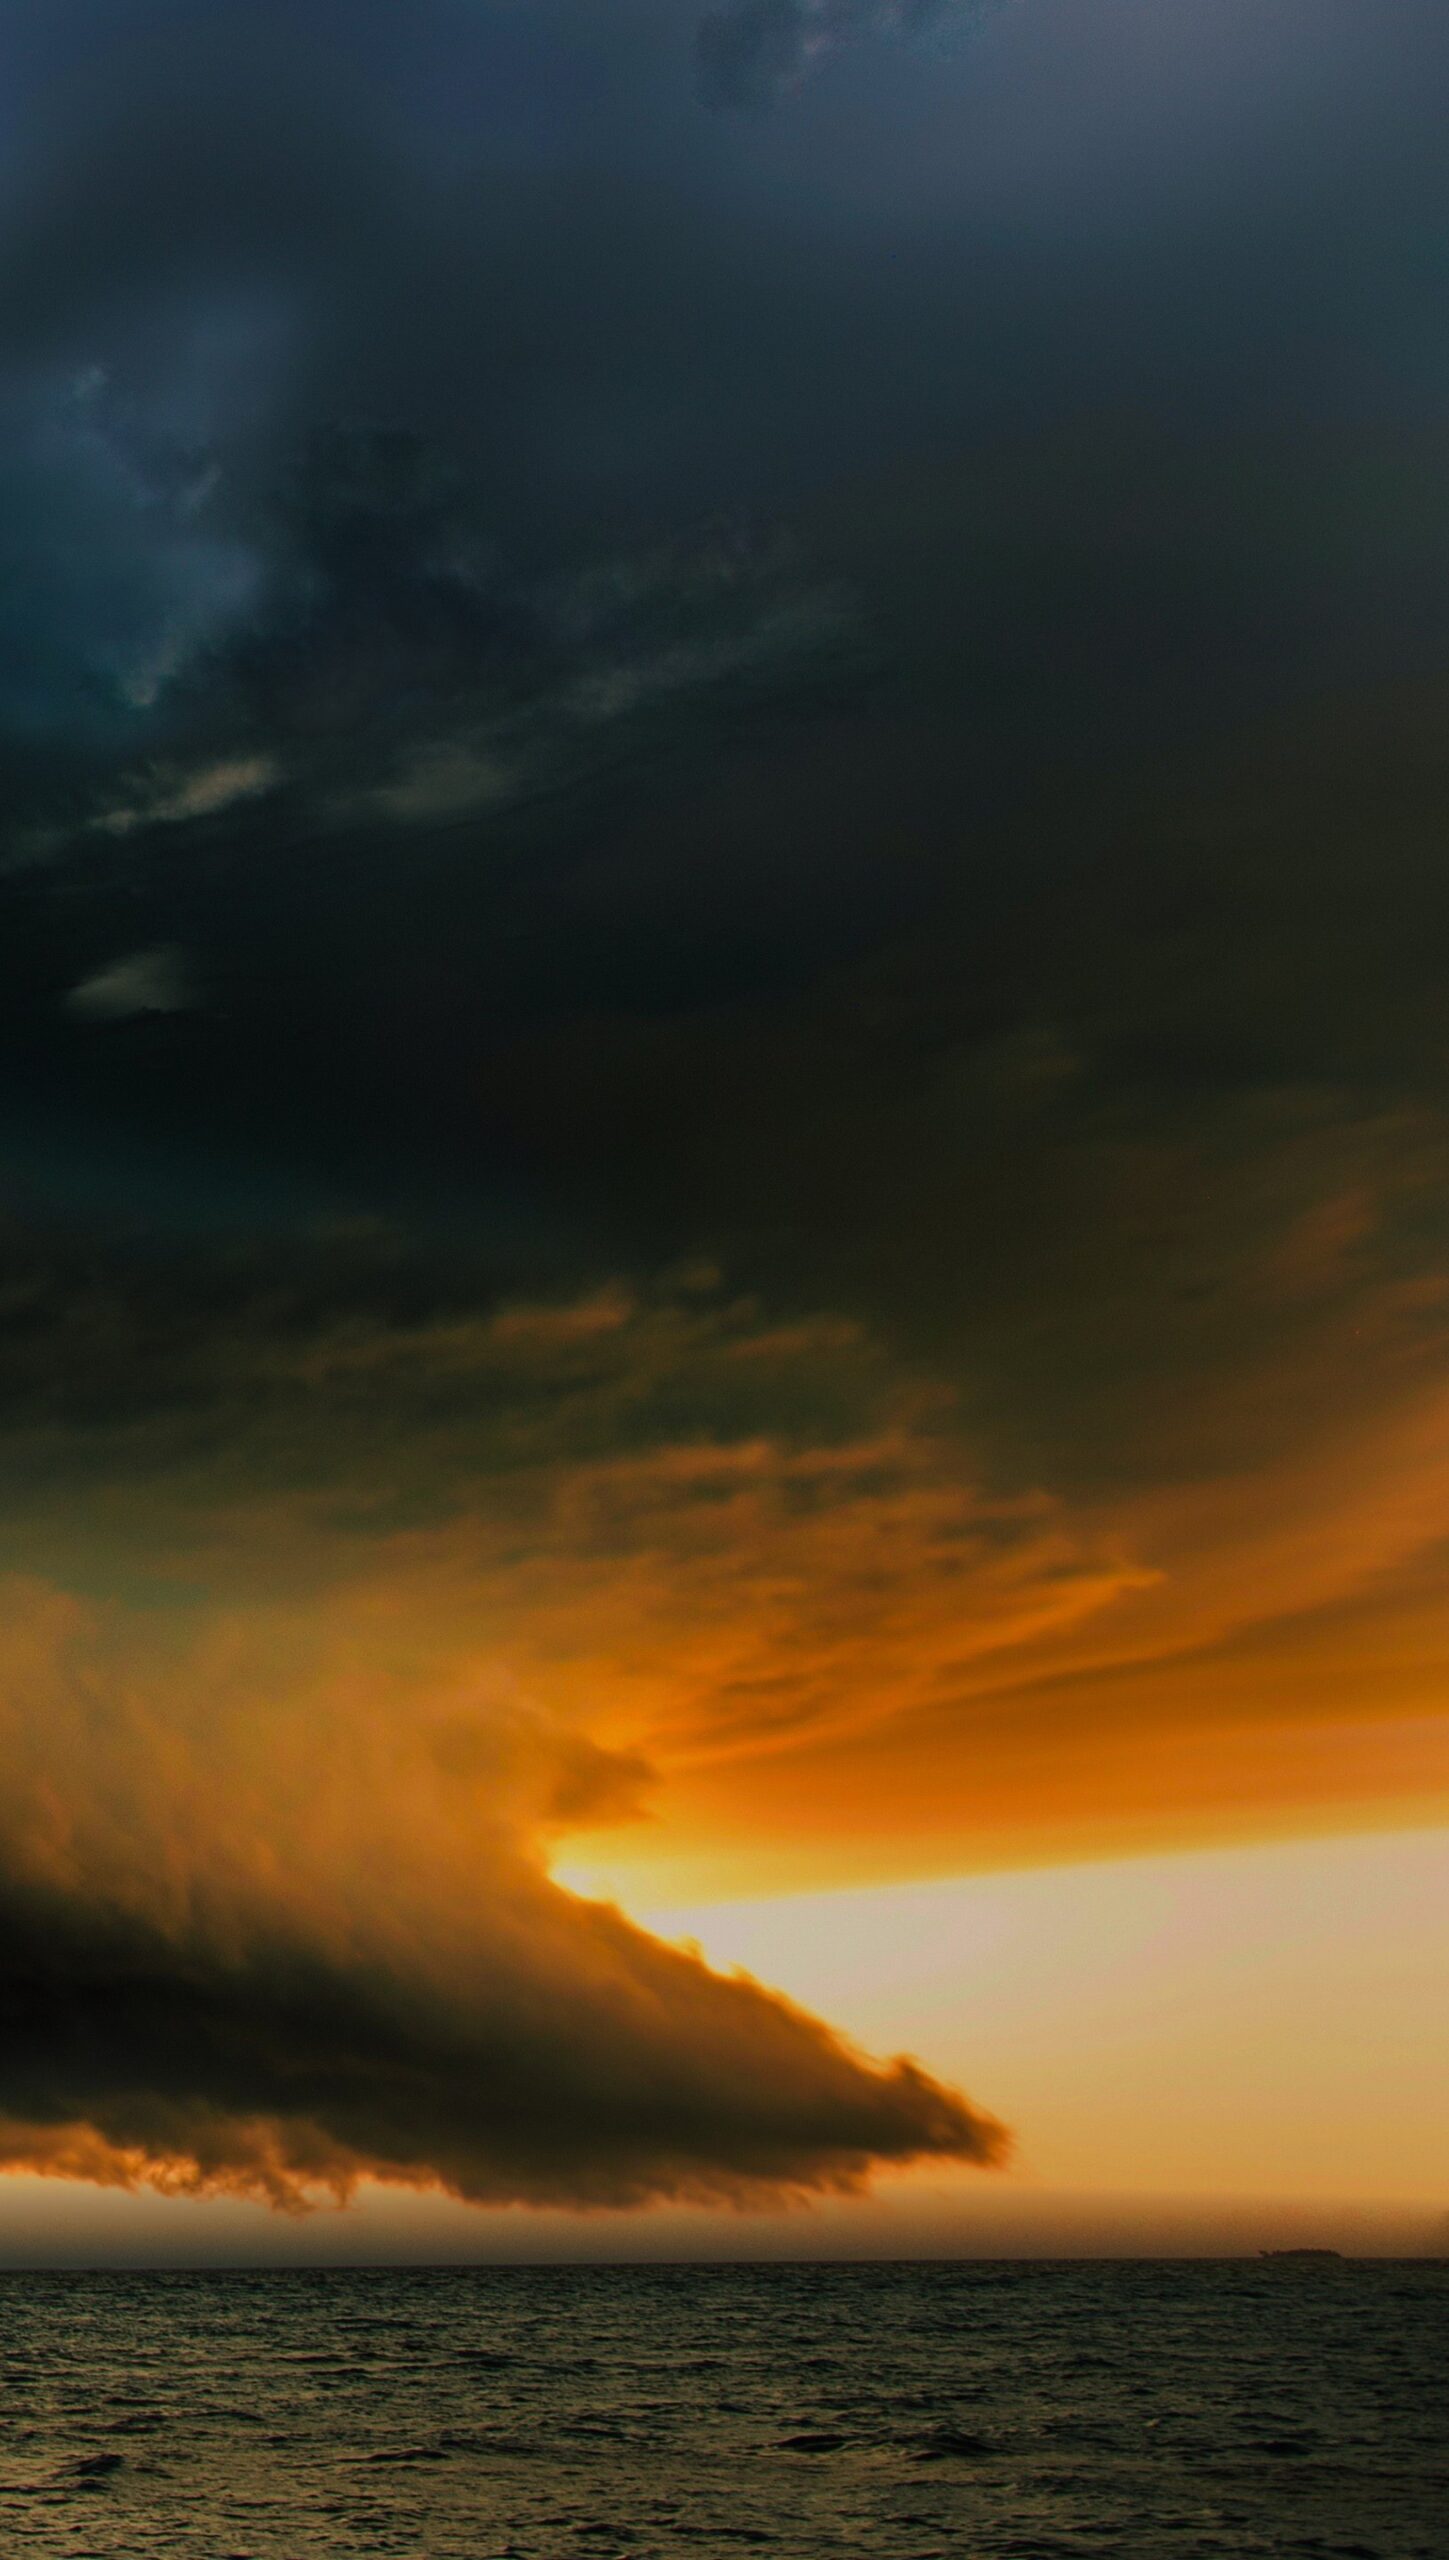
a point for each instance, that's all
(809, 2412)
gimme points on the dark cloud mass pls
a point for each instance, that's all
(723, 1104)
(563, 2057)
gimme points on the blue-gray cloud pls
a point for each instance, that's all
(750, 50)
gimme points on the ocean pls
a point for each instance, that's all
(1022, 2411)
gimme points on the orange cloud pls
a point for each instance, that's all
(392, 1612)
(269, 1934)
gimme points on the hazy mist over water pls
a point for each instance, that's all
(1291, 2408)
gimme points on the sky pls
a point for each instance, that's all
(724, 1392)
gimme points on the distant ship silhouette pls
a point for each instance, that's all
(1300, 2253)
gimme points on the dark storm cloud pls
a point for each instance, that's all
(272, 1911)
(234, 231)
(258, 222)
(566, 2059)
(639, 1146)
(458, 754)
(357, 647)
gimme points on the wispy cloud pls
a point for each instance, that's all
(170, 798)
(158, 981)
(751, 50)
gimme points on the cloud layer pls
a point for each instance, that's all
(724, 1104)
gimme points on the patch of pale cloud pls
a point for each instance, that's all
(158, 981)
(749, 51)
(455, 779)
(167, 797)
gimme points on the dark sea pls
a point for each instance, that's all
(1025, 2411)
